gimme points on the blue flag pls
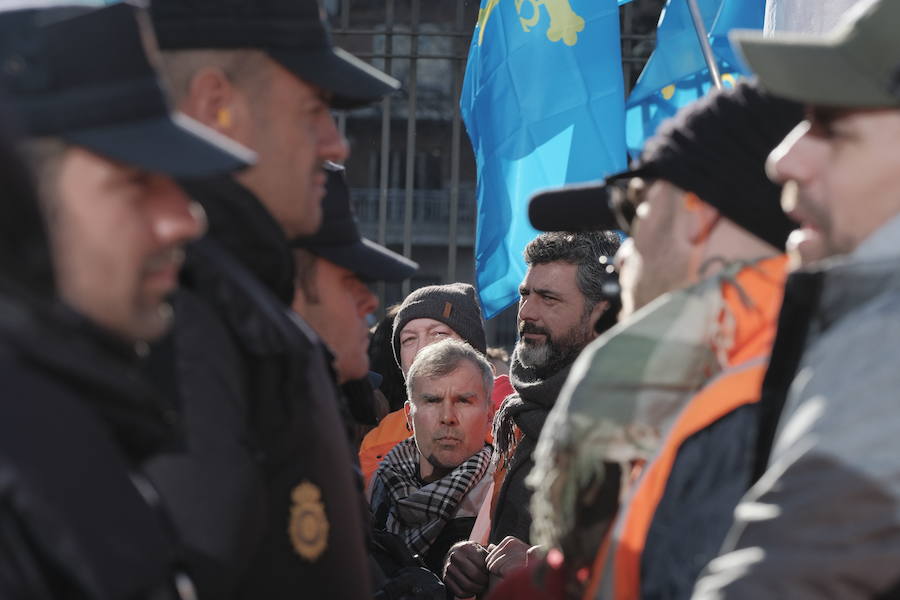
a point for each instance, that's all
(676, 73)
(543, 103)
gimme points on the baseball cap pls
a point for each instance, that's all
(856, 65)
(291, 32)
(84, 75)
(339, 241)
(716, 148)
(592, 206)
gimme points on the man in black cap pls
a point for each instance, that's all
(676, 384)
(266, 498)
(77, 424)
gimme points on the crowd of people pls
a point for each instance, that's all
(697, 405)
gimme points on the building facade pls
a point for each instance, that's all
(412, 170)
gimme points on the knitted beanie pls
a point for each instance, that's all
(717, 148)
(453, 304)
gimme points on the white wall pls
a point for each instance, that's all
(805, 16)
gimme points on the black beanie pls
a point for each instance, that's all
(453, 304)
(717, 148)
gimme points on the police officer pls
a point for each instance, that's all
(77, 518)
(265, 498)
(334, 268)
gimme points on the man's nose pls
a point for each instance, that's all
(176, 219)
(527, 311)
(794, 159)
(448, 413)
(331, 144)
(369, 302)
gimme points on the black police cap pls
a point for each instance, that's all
(84, 75)
(292, 32)
(338, 239)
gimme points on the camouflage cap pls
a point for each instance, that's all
(857, 65)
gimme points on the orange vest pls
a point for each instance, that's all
(738, 385)
(392, 430)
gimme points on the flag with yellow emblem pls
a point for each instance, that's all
(676, 73)
(543, 103)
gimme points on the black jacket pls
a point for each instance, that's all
(265, 497)
(77, 519)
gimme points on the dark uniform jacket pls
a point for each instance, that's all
(265, 497)
(77, 519)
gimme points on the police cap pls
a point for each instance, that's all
(84, 75)
(291, 32)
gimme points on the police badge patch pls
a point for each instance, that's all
(308, 528)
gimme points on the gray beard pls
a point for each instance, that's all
(553, 355)
(533, 356)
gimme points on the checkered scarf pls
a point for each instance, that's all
(419, 512)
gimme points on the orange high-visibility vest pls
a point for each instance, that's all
(617, 565)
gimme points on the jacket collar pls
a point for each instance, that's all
(850, 281)
(240, 223)
(96, 366)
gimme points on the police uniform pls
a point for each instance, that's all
(265, 498)
(77, 422)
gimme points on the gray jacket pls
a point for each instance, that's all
(824, 519)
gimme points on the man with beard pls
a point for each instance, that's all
(562, 299)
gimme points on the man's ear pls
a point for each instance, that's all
(407, 408)
(217, 103)
(701, 218)
(596, 313)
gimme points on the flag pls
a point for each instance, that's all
(543, 103)
(676, 73)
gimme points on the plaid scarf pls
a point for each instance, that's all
(419, 512)
(623, 394)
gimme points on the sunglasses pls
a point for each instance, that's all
(626, 195)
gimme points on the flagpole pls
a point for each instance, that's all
(708, 56)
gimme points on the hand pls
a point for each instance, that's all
(507, 556)
(465, 571)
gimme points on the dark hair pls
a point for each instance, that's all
(381, 357)
(583, 249)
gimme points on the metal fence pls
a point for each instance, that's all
(411, 170)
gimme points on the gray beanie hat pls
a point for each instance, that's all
(453, 304)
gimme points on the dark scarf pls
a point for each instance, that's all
(419, 511)
(528, 407)
(241, 224)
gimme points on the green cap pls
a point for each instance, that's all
(857, 65)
